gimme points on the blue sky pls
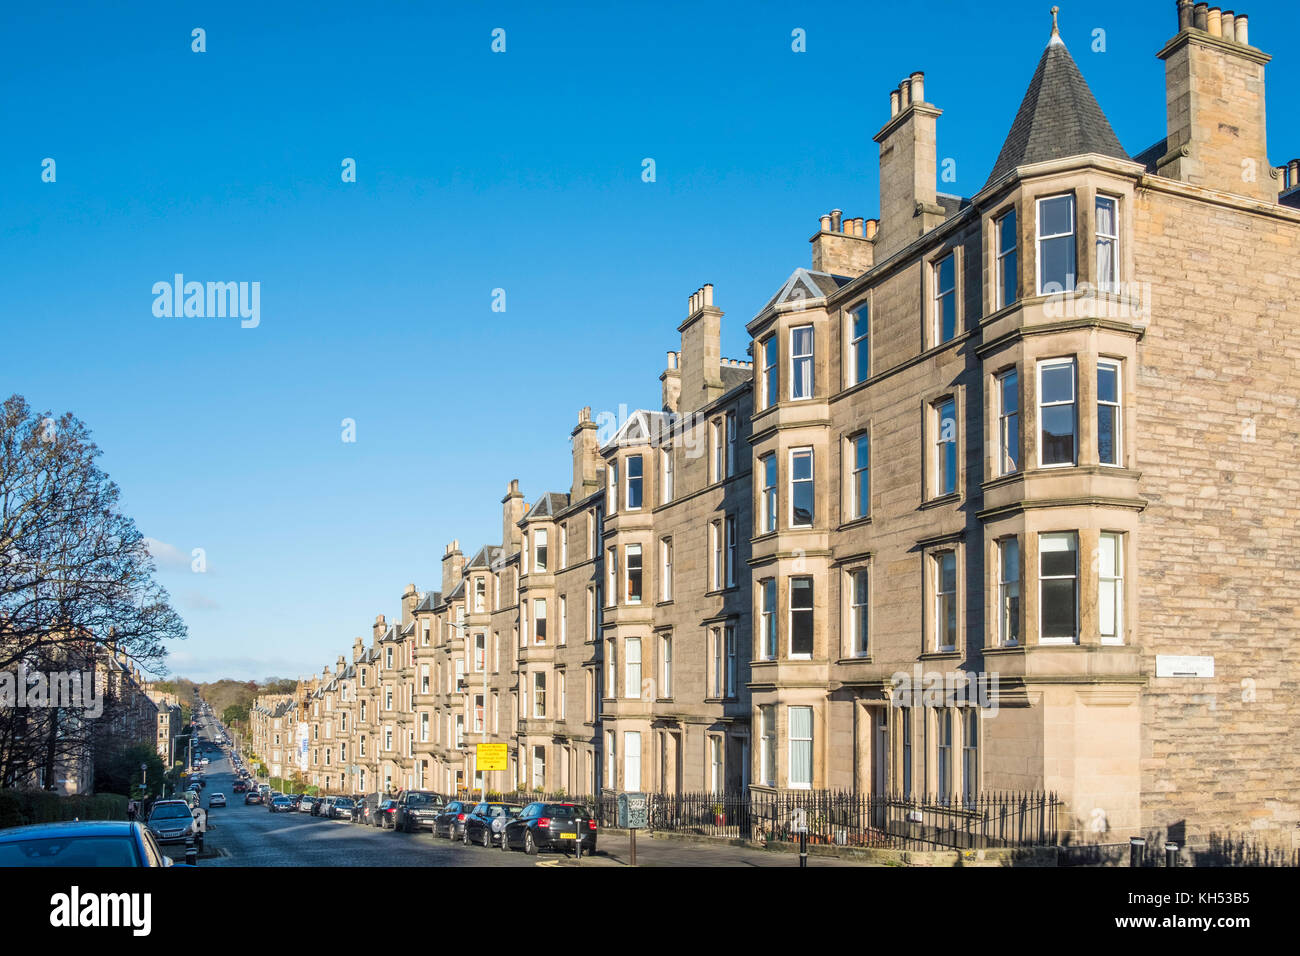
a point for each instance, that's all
(475, 171)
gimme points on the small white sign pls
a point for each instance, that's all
(1181, 665)
(799, 821)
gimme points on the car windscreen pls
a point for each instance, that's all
(343, 802)
(174, 811)
(420, 800)
(559, 811)
(70, 851)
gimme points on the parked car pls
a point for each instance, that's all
(341, 808)
(544, 826)
(416, 809)
(171, 821)
(240, 787)
(252, 797)
(305, 805)
(321, 807)
(216, 800)
(486, 822)
(450, 822)
(281, 804)
(296, 798)
(360, 806)
(87, 843)
(386, 815)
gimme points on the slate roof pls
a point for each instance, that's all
(548, 505)
(484, 557)
(734, 377)
(1058, 117)
(430, 601)
(805, 284)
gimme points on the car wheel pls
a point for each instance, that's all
(487, 838)
(465, 837)
(530, 845)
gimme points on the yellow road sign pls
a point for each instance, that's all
(491, 757)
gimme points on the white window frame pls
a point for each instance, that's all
(769, 634)
(860, 503)
(811, 480)
(770, 390)
(731, 548)
(666, 569)
(731, 431)
(1115, 408)
(1058, 577)
(767, 745)
(1008, 589)
(768, 493)
(631, 760)
(939, 294)
(638, 479)
(1042, 237)
(632, 668)
(541, 550)
(1114, 581)
(940, 458)
(1000, 255)
(799, 357)
(936, 571)
(808, 742)
(856, 339)
(1043, 365)
(564, 620)
(790, 612)
(629, 552)
(666, 665)
(1112, 285)
(1004, 419)
(859, 611)
(666, 474)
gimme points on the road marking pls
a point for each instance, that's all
(547, 863)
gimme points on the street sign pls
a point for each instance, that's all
(490, 757)
(633, 811)
(799, 820)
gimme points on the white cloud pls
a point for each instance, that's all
(167, 556)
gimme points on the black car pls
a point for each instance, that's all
(450, 822)
(115, 843)
(544, 826)
(253, 796)
(486, 822)
(417, 809)
(385, 815)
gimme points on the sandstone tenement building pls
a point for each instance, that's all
(1044, 435)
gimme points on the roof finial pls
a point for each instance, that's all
(1056, 29)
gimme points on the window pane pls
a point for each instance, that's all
(1058, 383)
(801, 616)
(1056, 216)
(1058, 435)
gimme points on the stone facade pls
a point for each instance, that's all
(1037, 443)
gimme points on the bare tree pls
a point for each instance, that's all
(75, 575)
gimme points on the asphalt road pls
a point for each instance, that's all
(250, 835)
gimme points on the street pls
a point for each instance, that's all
(250, 835)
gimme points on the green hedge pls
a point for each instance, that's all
(21, 807)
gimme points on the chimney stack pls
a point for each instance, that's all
(840, 246)
(700, 372)
(453, 567)
(586, 457)
(380, 626)
(1214, 102)
(410, 598)
(908, 168)
(512, 511)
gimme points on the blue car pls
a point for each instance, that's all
(91, 843)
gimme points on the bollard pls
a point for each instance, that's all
(1135, 845)
(1171, 854)
(803, 848)
(191, 854)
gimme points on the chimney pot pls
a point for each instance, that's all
(905, 94)
(708, 293)
(893, 103)
(826, 223)
(1242, 30)
(1214, 22)
(835, 219)
(918, 87)
(870, 231)
(1229, 26)
(1293, 169)
(1201, 16)
(1184, 15)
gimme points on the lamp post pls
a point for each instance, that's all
(144, 779)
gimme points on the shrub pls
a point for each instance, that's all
(22, 807)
